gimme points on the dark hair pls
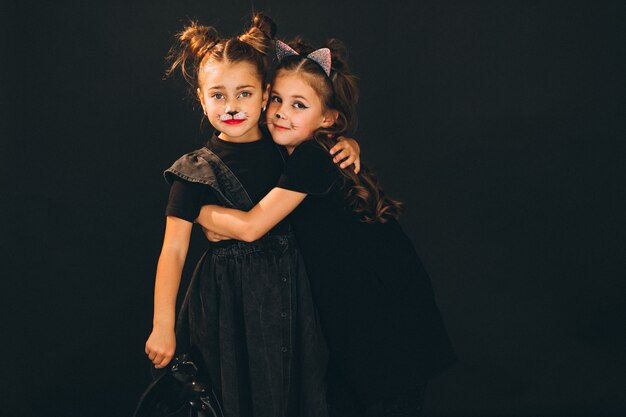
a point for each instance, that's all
(338, 91)
(197, 44)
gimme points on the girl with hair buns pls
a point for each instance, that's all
(377, 309)
(248, 309)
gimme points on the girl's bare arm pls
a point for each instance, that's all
(161, 344)
(250, 226)
(219, 223)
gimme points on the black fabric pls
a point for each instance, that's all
(257, 165)
(307, 170)
(374, 297)
(249, 311)
(186, 198)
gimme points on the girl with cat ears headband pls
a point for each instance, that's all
(328, 73)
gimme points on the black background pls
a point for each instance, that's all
(500, 124)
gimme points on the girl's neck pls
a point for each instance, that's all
(250, 136)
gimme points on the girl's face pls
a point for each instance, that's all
(232, 97)
(295, 110)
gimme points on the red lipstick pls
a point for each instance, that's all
(233, 121)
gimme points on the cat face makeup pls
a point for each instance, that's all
(234, 117)
(295, 110)
(232, 98)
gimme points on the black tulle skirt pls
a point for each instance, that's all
(249, 311)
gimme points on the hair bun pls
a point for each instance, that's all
(261, 34)
(198, 38)
(192, 43)
(265, 24)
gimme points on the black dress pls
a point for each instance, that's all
(249, 308)
(376, 304)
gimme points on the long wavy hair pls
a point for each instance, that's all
(339, 92)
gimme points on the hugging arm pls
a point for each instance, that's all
(309, 170)
(214, 237)
(251, 225)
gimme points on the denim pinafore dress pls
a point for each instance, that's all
(249, 311)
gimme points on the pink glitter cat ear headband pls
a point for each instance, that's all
(320, 56)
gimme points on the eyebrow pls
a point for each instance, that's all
(239, 87)
(294, 96)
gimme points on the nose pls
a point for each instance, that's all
(279, 112)
(230, 108)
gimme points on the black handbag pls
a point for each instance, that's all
(181, 390)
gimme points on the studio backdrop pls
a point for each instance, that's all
(500, 125)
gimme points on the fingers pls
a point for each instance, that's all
(341, 155)
(159, 350)
(344, 152)
(159, 358)
(163, 363)
(211, 236)
(350, 144)
(338, 146)
(348, 161)
(346, 158)
(216, 237)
